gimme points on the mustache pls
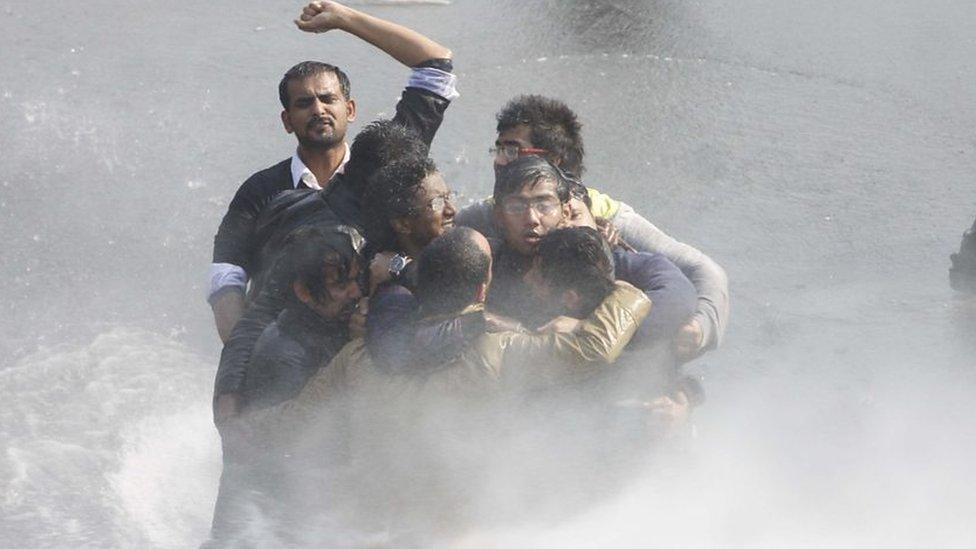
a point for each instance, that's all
(318, 119)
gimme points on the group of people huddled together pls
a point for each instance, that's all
(396, 367)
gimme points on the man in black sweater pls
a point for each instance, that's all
(317, 108)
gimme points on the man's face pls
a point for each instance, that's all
(519, 136)
(318, 114)
(434, 211)
(341, 293)
(526, 216)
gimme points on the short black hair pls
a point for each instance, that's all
(449, 271)
(306, 69)
(308, 251)
(380, 143)
(579, 259)
(510, 178)
(553, 126)
(390, 195)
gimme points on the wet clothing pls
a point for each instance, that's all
(290, 350)
(238, 243)
(482, 364)
(271, 300)
(670, 291)
(710, 281)
(415, 444)
(337, 205)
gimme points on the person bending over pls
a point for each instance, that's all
(324, 286)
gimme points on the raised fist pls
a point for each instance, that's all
(321, 17)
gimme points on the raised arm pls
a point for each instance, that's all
(405, 45)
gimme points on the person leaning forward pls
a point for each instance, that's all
(317, 108)
(490, 361)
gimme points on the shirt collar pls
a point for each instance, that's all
(301, 174)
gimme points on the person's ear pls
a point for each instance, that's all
(571, 300)
(302, 293)
(286, 121)
(351, 108)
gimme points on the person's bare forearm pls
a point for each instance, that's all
(405, 45)
(227, 310)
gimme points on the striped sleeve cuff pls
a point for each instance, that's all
(435, 81)
(224, 276)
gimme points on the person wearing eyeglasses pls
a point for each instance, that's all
(317, 108)
(532, 199)
(406, 204)
(535, 125)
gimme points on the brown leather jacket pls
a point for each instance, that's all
(493, 364)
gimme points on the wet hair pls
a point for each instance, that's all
(553, 126)
(578, 191)
(528, 170)
(378, 144)
(390, 194)
(308, 251)
(306, 69)
(449, 271)
(579, 259)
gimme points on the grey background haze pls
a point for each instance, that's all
(822, 152)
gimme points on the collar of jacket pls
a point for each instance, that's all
(440, 339)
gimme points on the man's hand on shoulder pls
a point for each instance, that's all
(322, 17)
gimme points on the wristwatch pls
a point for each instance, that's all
(397, 264)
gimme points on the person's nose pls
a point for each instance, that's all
(319, 106)
(449, 209)
(533, 219)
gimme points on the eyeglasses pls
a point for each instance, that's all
(542, 206)
(511, 152)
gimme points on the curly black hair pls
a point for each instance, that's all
(380, 143)
(390, 195)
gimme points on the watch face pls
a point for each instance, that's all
(397, 264)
